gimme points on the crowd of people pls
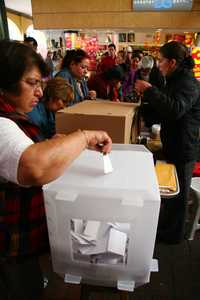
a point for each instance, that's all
(115, 75)
(32, 154)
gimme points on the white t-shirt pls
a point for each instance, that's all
(13, 142)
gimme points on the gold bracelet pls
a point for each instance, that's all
(85, 136)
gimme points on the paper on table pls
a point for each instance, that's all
(166, 176)
(107, 164)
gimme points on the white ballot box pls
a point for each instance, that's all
(102, 227)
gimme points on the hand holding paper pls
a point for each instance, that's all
(97, 140)
(107, 164)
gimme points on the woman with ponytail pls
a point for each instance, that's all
(177, 108)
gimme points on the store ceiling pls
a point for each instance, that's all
(23, 6)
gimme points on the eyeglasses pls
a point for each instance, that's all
(85, 67)
(34, 83)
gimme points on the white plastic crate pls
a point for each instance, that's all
(102, 228)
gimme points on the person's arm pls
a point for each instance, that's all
(92, 95)
(172, 103)
(43, 162)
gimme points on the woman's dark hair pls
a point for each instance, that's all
(136, 55)
(179, 52)
(112, 45)
(30, 40)
(15, 60)
(114, 73)
(75, 56)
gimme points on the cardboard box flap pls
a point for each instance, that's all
(100, 107)
(116, 118)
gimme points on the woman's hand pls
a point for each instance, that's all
(92, 95)
(98, 140)
(45, 161)
(141, 86)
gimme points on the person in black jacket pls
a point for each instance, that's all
(177, 107)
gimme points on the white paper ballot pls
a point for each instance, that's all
(117, 242)
(91, 229)
(77, 225)
(78, 238)
(107, 164)
(124, 227)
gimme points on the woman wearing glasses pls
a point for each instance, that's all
(177, 107)
(26, 163)
(74, 69)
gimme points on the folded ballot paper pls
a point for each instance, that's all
(107, 164)
(166, 175)
(99, 242)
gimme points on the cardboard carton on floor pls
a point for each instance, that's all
(113, 117)
(102, 227)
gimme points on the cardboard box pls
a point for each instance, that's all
(102, 228)
(115, 118)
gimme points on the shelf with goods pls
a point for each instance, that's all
(147, 42)
(149, 49)
(55, 41)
